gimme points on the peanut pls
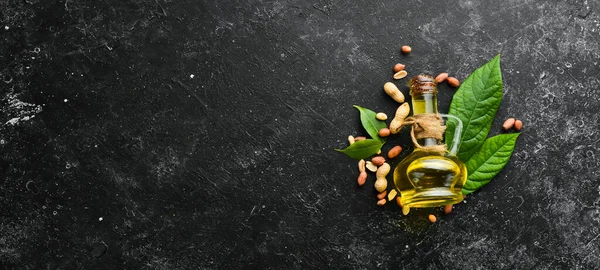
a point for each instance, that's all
(378, 161)
(406, 49)
(508, 124)
(441, 77)
(395, 151)
(382, 195)
(381, 184)
(381, 116)
(399, 201)
(447, 209)
(351, 139)
(393, 92)
(401, 113)
(361, 165)
(360, 138)
(432, 218)
(392, 194)
(518, 125)
(453, 81)
(370, 166)
(400, 74)
(405, 210)
(381, 202)
(398, 67)
(382, 171)
(362, 178)
(384, 132)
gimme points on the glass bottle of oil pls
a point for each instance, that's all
(429, 178)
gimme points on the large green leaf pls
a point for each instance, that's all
(489, 161)
(362, 149)
(370, 123)
(476, 103)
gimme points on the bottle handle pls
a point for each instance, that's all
(457, 133)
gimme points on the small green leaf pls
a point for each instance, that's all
(476, 103)
(370, 123)
(362, 149)
(489, 161)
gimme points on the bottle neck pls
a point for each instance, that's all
(425, 103)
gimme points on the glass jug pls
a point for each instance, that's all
(431, 175)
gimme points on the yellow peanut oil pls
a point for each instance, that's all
(428, 178)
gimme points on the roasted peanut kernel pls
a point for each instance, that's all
(398, 67)
(380, 116)
(432, 218)
(351, 139)
(447, 209)
(518, 125)
(453, 82)
(508, 124)
(400, 74)
(361, 165)
(370, 166)
(384, 132)
(362, 178)
(378, 161)
(441, 77)
(395, 151)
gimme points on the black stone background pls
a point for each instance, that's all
(114, 157)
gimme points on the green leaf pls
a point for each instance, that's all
(489, 161)
(362, 149)
(370, 123)
(476, 103)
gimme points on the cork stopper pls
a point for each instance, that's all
(422, 84)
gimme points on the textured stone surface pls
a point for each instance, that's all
(176, 135)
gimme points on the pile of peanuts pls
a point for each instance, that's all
(378, 164)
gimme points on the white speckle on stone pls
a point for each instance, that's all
(100, 219)
(192, 76)
(66, 100)
(6, 27)
(13, 121)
